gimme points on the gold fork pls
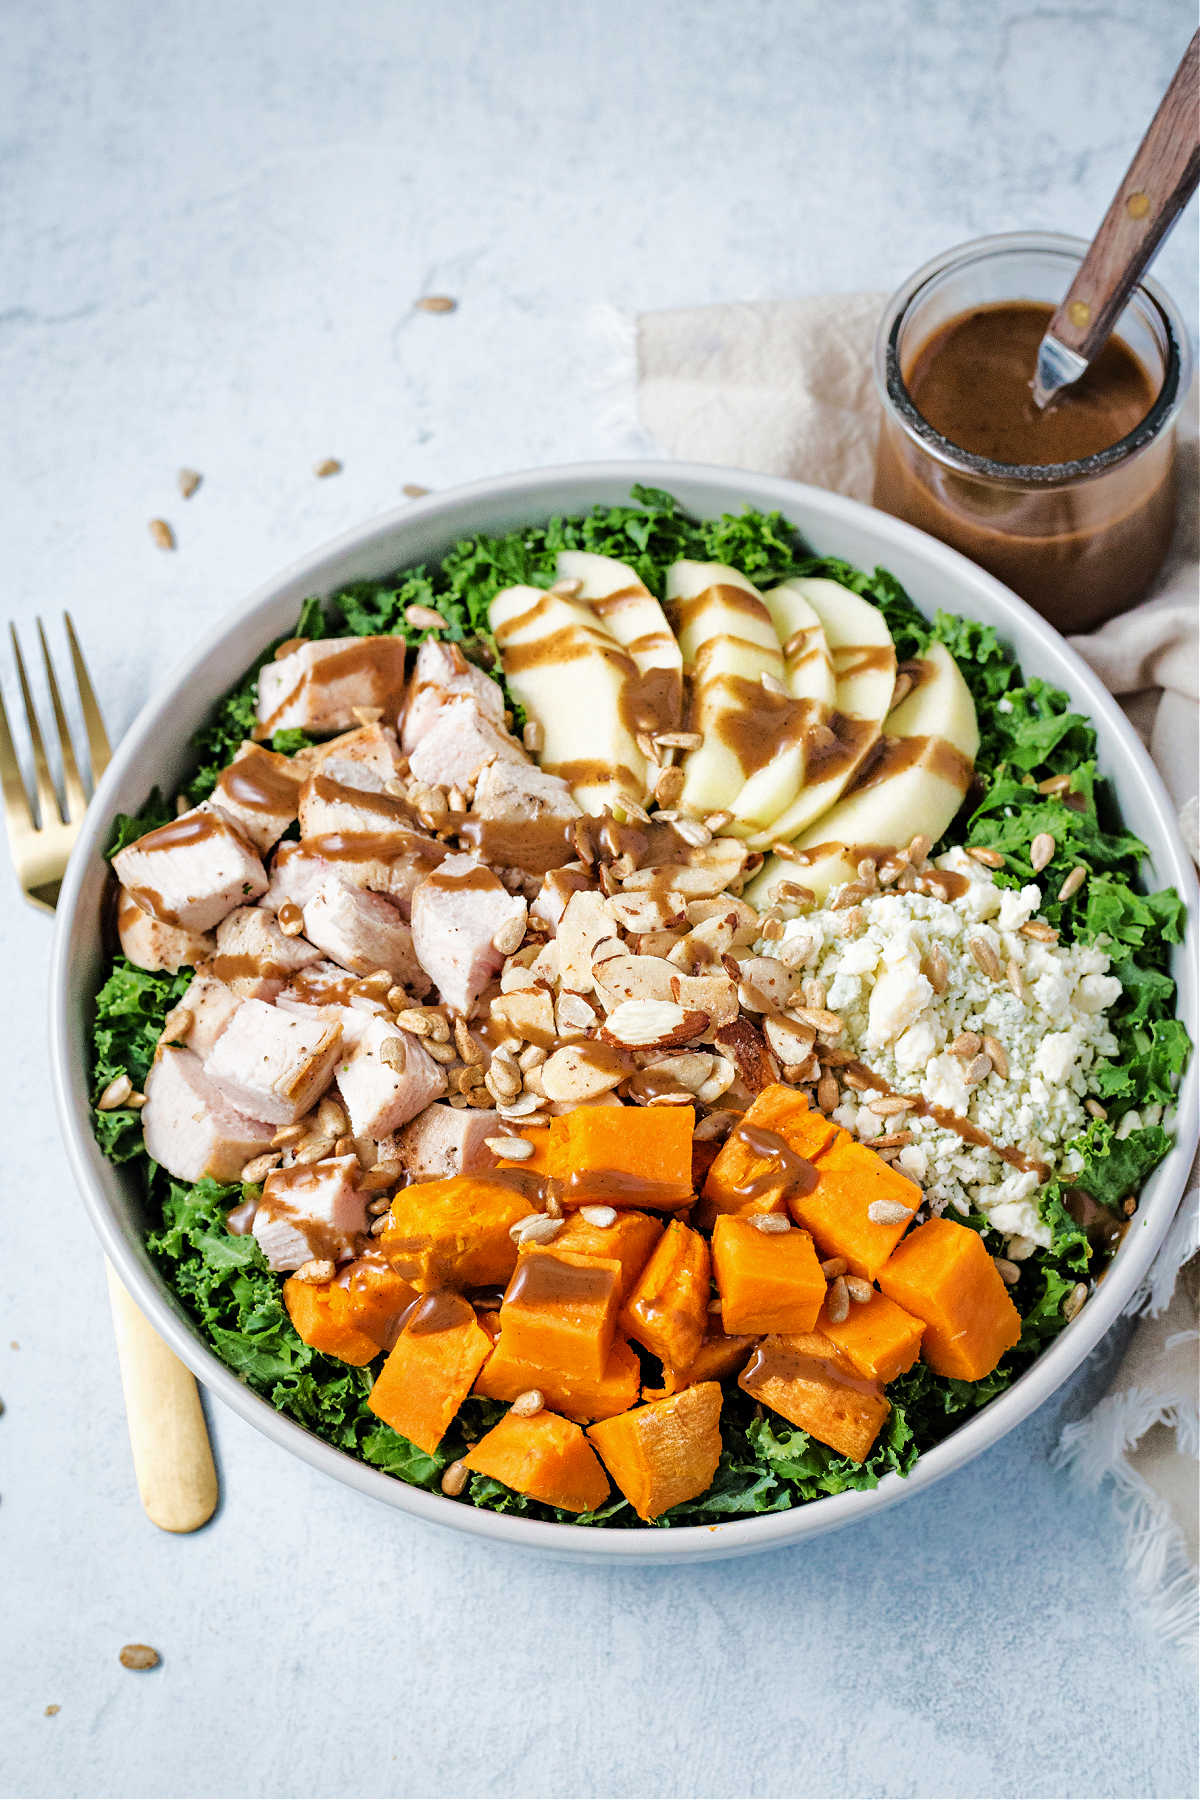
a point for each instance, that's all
(172, 1457)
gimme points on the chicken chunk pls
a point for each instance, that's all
(271, 1063)
(388, 863)
(190, 1127)
(372, 748)
(317, 686)
(442, 673)
(260, 792)
(457, 914)
(201, 1015)
(387, 1080)
(522, 792)
(150, 944)
(311, 1210)
(251, 948)
(363, 932)
(349, 796)
(556, 890)
(191, 871)
(458, 744)
(443, 1140)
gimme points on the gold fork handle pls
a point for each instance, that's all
(172, 1457)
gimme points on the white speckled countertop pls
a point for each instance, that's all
(215, 221)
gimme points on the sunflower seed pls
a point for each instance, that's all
(966, 1044)
(1041, 851)
(424, 618)
(888, 1212)
(770, 1223)
(115, 1094)
(261, 1167)
(162, 534)
(1094, 1107)
(535, 1228)
(1008, 1272)
(413, 490)
(1054, 784)
(833, 1266)
(977, 1070)
(678, 740)
(137, 1656)
(513, 1149)
(771, 683)
(526, 1405)
(985, 957)
(669, 786)
(824, 1023)
(454, 1479)
(435, 303)
(1039, 932)
(937, 970)
(991, 859)
(1075, 1300)
(889, 1105)
(860, 1291)
(328, 466)
(1015, 979)
(693, 832)
(837, 1300)
(1073, 882)
(188, 481)
(995, 1049)
(316, 1271)
(828, 1093)
(599, 1216)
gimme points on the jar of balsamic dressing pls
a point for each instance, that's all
(1072, 506)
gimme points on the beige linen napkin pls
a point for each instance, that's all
(786, 387)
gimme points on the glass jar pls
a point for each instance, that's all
(1079, 541)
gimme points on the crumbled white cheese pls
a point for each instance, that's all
(902, 1030)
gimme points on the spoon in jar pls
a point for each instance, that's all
(1158, 184)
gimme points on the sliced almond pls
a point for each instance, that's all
(652, 1024)
(622, 977)
(580, 1072)
(747, 1049)
(528, 1015)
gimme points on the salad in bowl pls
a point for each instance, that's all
(630, 1022)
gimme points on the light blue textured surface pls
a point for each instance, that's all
(215, 220)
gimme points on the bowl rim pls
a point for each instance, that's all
(639, 1543)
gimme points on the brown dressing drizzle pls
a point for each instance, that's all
(534, 845)
(777, 1361)
(545, 1279)
(380, 657)
(477, 879)
(261, 781)
(240, 1221)
(283, 1197)
(616, 1187)
(952, 1121)
(785, 1171)
(443, 1310)
(761, 725)
(857, 659)
(890, 756)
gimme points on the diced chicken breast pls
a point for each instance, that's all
(363, 932)
(323, 991)
(349, 796)
(311, 1210)
(202, 1015)
(456, 915)
(442, 672)
(190, 1127)
(387, 1080)
(372, 748)
(150, 944)
(296, 874)
(251, 946)
(521, 791)
(260, 792)
(317, 686)
(271, 1063)
(388, 863)
(191, 871)
(443, 1140)
(555, 891)
(458, 744)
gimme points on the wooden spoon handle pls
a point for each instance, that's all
(172, 1457)
(1158, 184)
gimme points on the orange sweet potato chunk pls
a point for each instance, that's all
(546, 1457)
(750, 1174)
(767, 1282)
(570, 1392)
(430, 1370)
(369, 1296)
(879, 1337)
(667, 1311)
(629, 1240)
(852, 1178)
(808, 1381)
(560, 1309)
(718, 1357)
(627, 1156)
(665, 1453)
(309, 1310)
(454, 1233)
(942, 1273)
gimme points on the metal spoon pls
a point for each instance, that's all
(1158, 184)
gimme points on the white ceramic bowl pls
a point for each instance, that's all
(156, 751)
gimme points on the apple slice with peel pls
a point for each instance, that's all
(577, 683)
(911, 784)
(625, 607)
(864, 664)
(749, 724)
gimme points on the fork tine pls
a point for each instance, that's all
(76, 799)
(97, 737)
(47, 798)
(16, 798)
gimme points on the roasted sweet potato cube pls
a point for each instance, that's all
(629, 1240)
(309, 1309)
(454, 1233)
(546, 1457)
(665, 1453)
(627, 1156)
(807, 1380)
(943, 1274)
(765, 1155)
(667, 1309)
(851, 1179)
(719, 1356)
(879, 1337)
(767, 1282)
(543, 1156)
(561, 1310)
(430, 1370)
(576, 1395)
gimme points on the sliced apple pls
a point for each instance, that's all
(911, 784)
(576, 682)
(625, 607)
(739, 704)
(864, 664)
(808, 669)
